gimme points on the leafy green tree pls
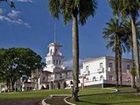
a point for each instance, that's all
(78, 11)
(17, 62)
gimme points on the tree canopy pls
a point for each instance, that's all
(16, 62)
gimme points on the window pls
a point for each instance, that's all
(101, 65)
(51, 51)
(55, 50)
(101, 77)
(53, 61)
(110, 77)
(59, 62)
(56, 62)
(110, 65)
(60, 75)
(87, 68)
(128, 67)
(49, 62)
(87, 79)
(129, 79)
(94, 78)
(71, 82)
(43, 78)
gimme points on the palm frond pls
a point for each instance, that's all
(86, 8)
(54, 7)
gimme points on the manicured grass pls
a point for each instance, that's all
(126, 97)
(88, 96)
(32, 94)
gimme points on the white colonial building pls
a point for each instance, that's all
(101, 71)
(97, 71)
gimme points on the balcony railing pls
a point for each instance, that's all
(101, 70)
(86, 72)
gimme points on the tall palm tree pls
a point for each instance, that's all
(128, 41)
(131, 9)
(116, 7)
(114, 34)
(78, 11)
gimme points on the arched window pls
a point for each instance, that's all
(71, 82)
(56, 62)
(59, 62)
(51, 51)
(53, 61)
(94, 78)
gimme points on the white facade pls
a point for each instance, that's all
(101, 71)
(54, 74)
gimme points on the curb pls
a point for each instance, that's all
(44, 103)
(53, 95)
(115, 90)
(65, 100)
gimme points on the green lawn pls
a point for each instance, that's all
(88, 96)
(128, 97)
(32, 94)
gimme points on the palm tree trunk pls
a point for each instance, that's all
(133, 66)
(75, 52)
(120, 64)
(116, 60)
(136, 52)
(134, 83)
(132, 54)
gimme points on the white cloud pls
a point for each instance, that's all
(13, 14)
(25, 1)
(13, 17)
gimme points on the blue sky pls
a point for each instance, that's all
(31, 25)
